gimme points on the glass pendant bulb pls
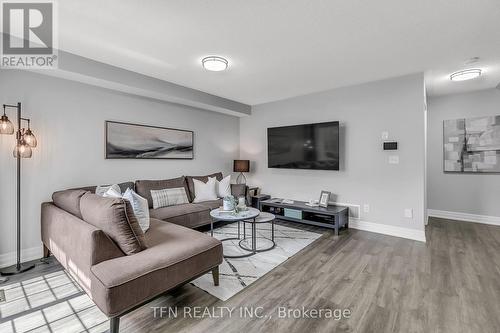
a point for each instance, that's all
(6, 126)
(22, 150)
(30, 138)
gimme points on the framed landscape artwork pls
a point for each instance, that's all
(472, 145)
(135, 141)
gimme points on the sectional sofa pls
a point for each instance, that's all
(118, 282)
(189, 215)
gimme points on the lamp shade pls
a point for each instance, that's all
(6, 126)
(22, 150)
(241, 166)
(30, 138)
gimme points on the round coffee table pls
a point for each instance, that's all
(262, 218)
(250, 214)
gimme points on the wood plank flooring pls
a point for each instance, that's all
(389, 284)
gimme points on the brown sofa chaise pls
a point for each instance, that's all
(120, 283)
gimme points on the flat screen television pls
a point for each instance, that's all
(309, 146)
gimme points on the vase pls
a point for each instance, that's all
(228, 203)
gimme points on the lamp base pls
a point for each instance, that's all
(241, 179)
(16, 269)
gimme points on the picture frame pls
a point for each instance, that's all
(472, 145)
(138, 141)
(324, 198)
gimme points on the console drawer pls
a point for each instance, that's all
(293, 213)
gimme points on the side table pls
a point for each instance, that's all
(257, 199)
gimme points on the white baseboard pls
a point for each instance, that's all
(8, 259)
(485, 219)
(418, 235)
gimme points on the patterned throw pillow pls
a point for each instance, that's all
(169, 197)
(101, 189)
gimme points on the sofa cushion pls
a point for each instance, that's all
(144, 187)
(175, 255)
(165, 213)
(204, 179)
(69, 201)
(213, 204)
(116, 218)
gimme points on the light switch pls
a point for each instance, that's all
(409, 213)
(393, 159)
(366, 208)
(385, 135)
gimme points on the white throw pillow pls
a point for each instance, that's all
(223, 187)
(169, 197)
(112, 193)
(100, 190)
(204, 191)
(140, 206)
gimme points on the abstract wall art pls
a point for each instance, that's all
(125, 140)
(472, 145)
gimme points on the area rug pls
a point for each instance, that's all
(54, 302)
(237, 274)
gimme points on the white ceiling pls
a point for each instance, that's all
(438, 80)
(281, 48)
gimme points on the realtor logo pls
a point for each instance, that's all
(28, 35)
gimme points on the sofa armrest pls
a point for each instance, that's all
(240, 190)
(76, 244)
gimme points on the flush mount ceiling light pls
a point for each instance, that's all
(467, 74)
(214, 63)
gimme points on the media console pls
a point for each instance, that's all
(333, 217)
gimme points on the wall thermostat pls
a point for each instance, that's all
(390, 145)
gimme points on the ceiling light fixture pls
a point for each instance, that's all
(467, 74)
(214, 63)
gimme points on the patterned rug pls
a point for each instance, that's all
(53, 302)
(237, 274)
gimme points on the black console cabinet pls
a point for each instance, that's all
(333, 217)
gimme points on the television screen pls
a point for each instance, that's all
(310, 146)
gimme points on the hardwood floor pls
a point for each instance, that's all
(389, 284)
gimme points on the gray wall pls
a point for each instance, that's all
(464, 193)
(68, 119)
(366, 177)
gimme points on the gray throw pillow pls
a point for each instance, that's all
(116, 218)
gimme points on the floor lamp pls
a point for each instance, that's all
(25, 141)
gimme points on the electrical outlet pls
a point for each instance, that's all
(366, 208)
(409, 213)
(2, 296)
(394, 159)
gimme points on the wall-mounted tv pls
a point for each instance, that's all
(309, 146)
